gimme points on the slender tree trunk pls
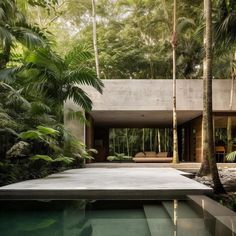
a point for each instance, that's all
(132, 143)
(229, 135)
(205, 166)
(155, 140)
(208, 144)
(174, 44)
(150, 141)
(95, 37)
(127, 141)
(159, 140)
(175, 216)
(123, 145)
(229, 120)
(114, 141)
(165, 140)
(118, 144)
(143, 140)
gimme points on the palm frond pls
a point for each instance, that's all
(46, 61)
(184, 24)
(80, 98)
(6, 121)
(2, 13)
(8, 75)
(84, 76)
(15, 97)
(39, 108)
(28, 35)
(5, 36)
(78, 55)
(76, 115)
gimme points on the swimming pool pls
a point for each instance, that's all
(197, 215)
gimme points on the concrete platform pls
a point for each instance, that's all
(182, 166)
(108, 183)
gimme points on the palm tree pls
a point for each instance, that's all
(175, 135)
(208, 143)
(57, 78)
(14, 28)
(95, 38)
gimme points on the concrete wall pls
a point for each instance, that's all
(75, 127)
(148, 95)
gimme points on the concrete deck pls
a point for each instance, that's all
(183, 166)
(107, 183)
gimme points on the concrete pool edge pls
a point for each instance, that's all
(222, 214)
(70, 194)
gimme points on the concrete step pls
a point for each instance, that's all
(188, 221)
(130, 222)
(159, 221)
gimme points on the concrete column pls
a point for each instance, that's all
(74, 125)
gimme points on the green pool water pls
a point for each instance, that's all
(107, 218)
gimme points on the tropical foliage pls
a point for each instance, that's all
(35, 81)
(131, 141)
(46, 54)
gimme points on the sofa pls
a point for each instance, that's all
(161, 157)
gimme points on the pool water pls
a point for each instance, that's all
(107, 218)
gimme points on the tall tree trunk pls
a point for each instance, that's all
(95, 38)
(175, 216)
(229, 120)
(155, 140)
(205, 165)
(127, 141)
(114, 141)
(165, 140)
(143, 140)
(229, 135)
(174, 44)
(208, 144)
(150, 139)
(159, 140)
(118, 144)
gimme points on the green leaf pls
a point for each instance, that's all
(111, 158)
(80, 98)
(31, 134)
(93, 151)
(47, 130)
(41, 157)
(231, 157)
(64, 159)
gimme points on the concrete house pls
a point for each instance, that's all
(148, 104)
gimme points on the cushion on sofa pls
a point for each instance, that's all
(150, 154)
(162, 154)
(140, 154)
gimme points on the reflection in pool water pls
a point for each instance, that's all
(107, 218)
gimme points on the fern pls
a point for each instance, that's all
(231, 157)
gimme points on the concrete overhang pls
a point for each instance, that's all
(142, 119)
(148, 103)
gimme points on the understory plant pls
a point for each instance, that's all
(231, 157)
(119, 157)
(42, 151)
